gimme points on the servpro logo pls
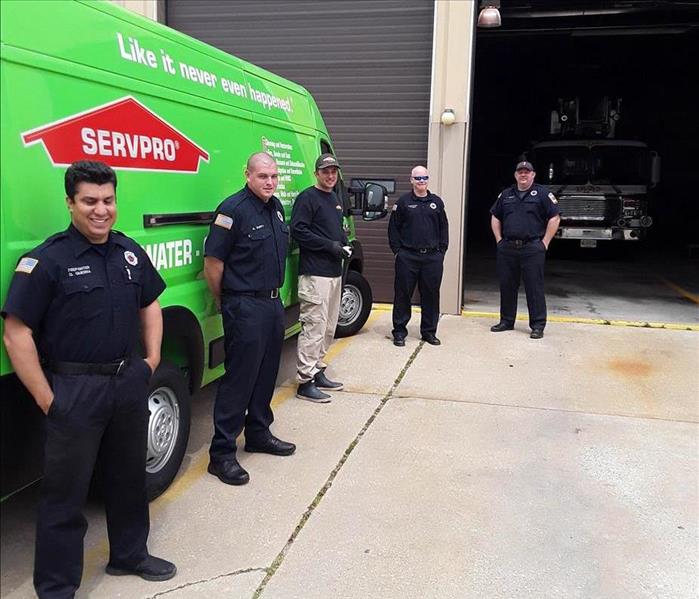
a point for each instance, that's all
(124, 134)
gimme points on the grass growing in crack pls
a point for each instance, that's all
(328, 483)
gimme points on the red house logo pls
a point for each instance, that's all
(124, 134)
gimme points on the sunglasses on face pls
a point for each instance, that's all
(425, 178)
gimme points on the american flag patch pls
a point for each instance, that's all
(26, 265)
(223, 221)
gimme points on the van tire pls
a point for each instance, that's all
(355, 305)
(169, 404)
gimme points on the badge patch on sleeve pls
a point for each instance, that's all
(553, 198)
(26, 265)
(223, 221)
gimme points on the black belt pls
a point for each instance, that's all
(268, 293)
(424, 250)
(518, 243)
(108, 368)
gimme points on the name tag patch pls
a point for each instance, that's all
(26, 265)
(223, 221)
(78, 271)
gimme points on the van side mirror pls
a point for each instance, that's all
(370, 197)
(376, 201)
(654, 169)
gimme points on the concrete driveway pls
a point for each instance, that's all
(493, 466)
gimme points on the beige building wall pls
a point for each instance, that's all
(448, 144)
(153, 9)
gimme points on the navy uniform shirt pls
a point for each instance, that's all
(418, 223)
(526, 217)
(251, 238)
(82, 300)
(316, 224)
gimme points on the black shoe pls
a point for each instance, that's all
(310, 392)
(152, 568)
(268, 443)
(501, 326)
(536, 334)
(399, 341)
(323, 382)
(431, 339)
(229, 471)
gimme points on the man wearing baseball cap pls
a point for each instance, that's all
(316, 224)
(524, 220)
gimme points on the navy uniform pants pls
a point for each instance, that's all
(525, 262)
(253, 335)
(426, 271)
(93, 420)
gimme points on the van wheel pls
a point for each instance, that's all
(355, 305)
(169, 404)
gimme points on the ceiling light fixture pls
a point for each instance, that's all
(490, 14)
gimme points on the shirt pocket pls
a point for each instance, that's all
(130, 285)
(257, 235)
(509, 206)
(531, 206)
(84, 297)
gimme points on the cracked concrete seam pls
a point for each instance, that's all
(277, 562)
(204, 581)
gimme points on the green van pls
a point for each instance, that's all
(177, 119)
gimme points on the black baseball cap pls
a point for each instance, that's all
(326, 160)
(524, 165)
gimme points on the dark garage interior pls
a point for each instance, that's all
(640, 51)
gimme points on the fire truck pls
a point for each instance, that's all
(603, 184)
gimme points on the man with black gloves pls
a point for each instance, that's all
(418, 233)
(524, 220)
(316, 224)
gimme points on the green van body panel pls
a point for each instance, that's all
(63, 59)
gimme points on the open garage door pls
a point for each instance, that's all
(640, 52)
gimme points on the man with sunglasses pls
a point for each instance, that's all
(418, 233)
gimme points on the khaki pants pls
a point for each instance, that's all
(320, 309)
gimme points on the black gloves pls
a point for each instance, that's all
(341, 251)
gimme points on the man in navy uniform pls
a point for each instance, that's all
(72, 316)
(245, 258)
(524, 220)
(316, 224)
(418, 233)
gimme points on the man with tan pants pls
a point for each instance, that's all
(316, 224)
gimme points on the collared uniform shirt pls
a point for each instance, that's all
(82, 300)
(525, 218)
(418, 223)
(251, 238)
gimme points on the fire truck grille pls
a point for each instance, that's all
(583, 207)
